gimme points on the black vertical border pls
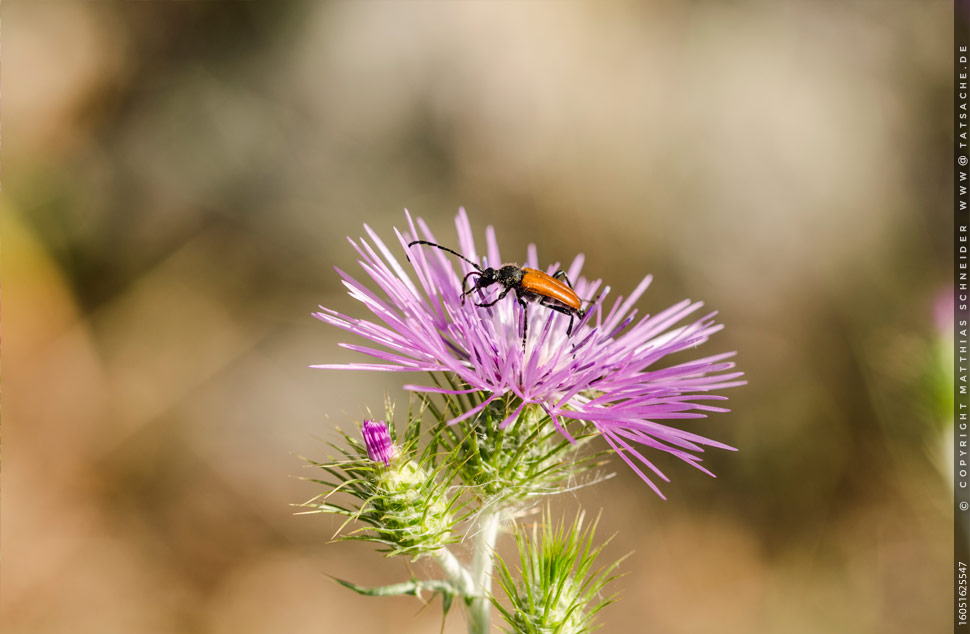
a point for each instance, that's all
(961, 316)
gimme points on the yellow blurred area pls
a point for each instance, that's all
(179, 182)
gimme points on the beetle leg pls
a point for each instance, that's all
(525, 318)
(590, 303)
(497, 299)
(465, 281)
(565, 311)
(561, 275)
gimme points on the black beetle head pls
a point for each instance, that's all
(488, 277)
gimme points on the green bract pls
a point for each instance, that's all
(559, 592)
(507, 467)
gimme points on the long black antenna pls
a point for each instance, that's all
(432, 244)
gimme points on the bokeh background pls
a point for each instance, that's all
(179, 180)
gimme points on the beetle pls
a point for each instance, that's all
(552, 291)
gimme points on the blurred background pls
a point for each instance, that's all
(180, 179)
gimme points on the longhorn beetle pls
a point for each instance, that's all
(549, 290)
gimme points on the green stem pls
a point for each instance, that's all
(413, 587)
(480, 610)
(457, 574)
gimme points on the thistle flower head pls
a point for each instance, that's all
(611, 372)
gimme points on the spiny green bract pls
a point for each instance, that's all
(411, 515)
(558, 593)
(408, 506)
(527, 459)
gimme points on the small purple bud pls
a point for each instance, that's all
(378, 441)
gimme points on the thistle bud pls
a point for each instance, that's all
(377, 439)
(560, 590)
(404, 498)
(411, 509)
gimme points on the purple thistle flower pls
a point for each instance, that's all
(380, 448)
(606, 373)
